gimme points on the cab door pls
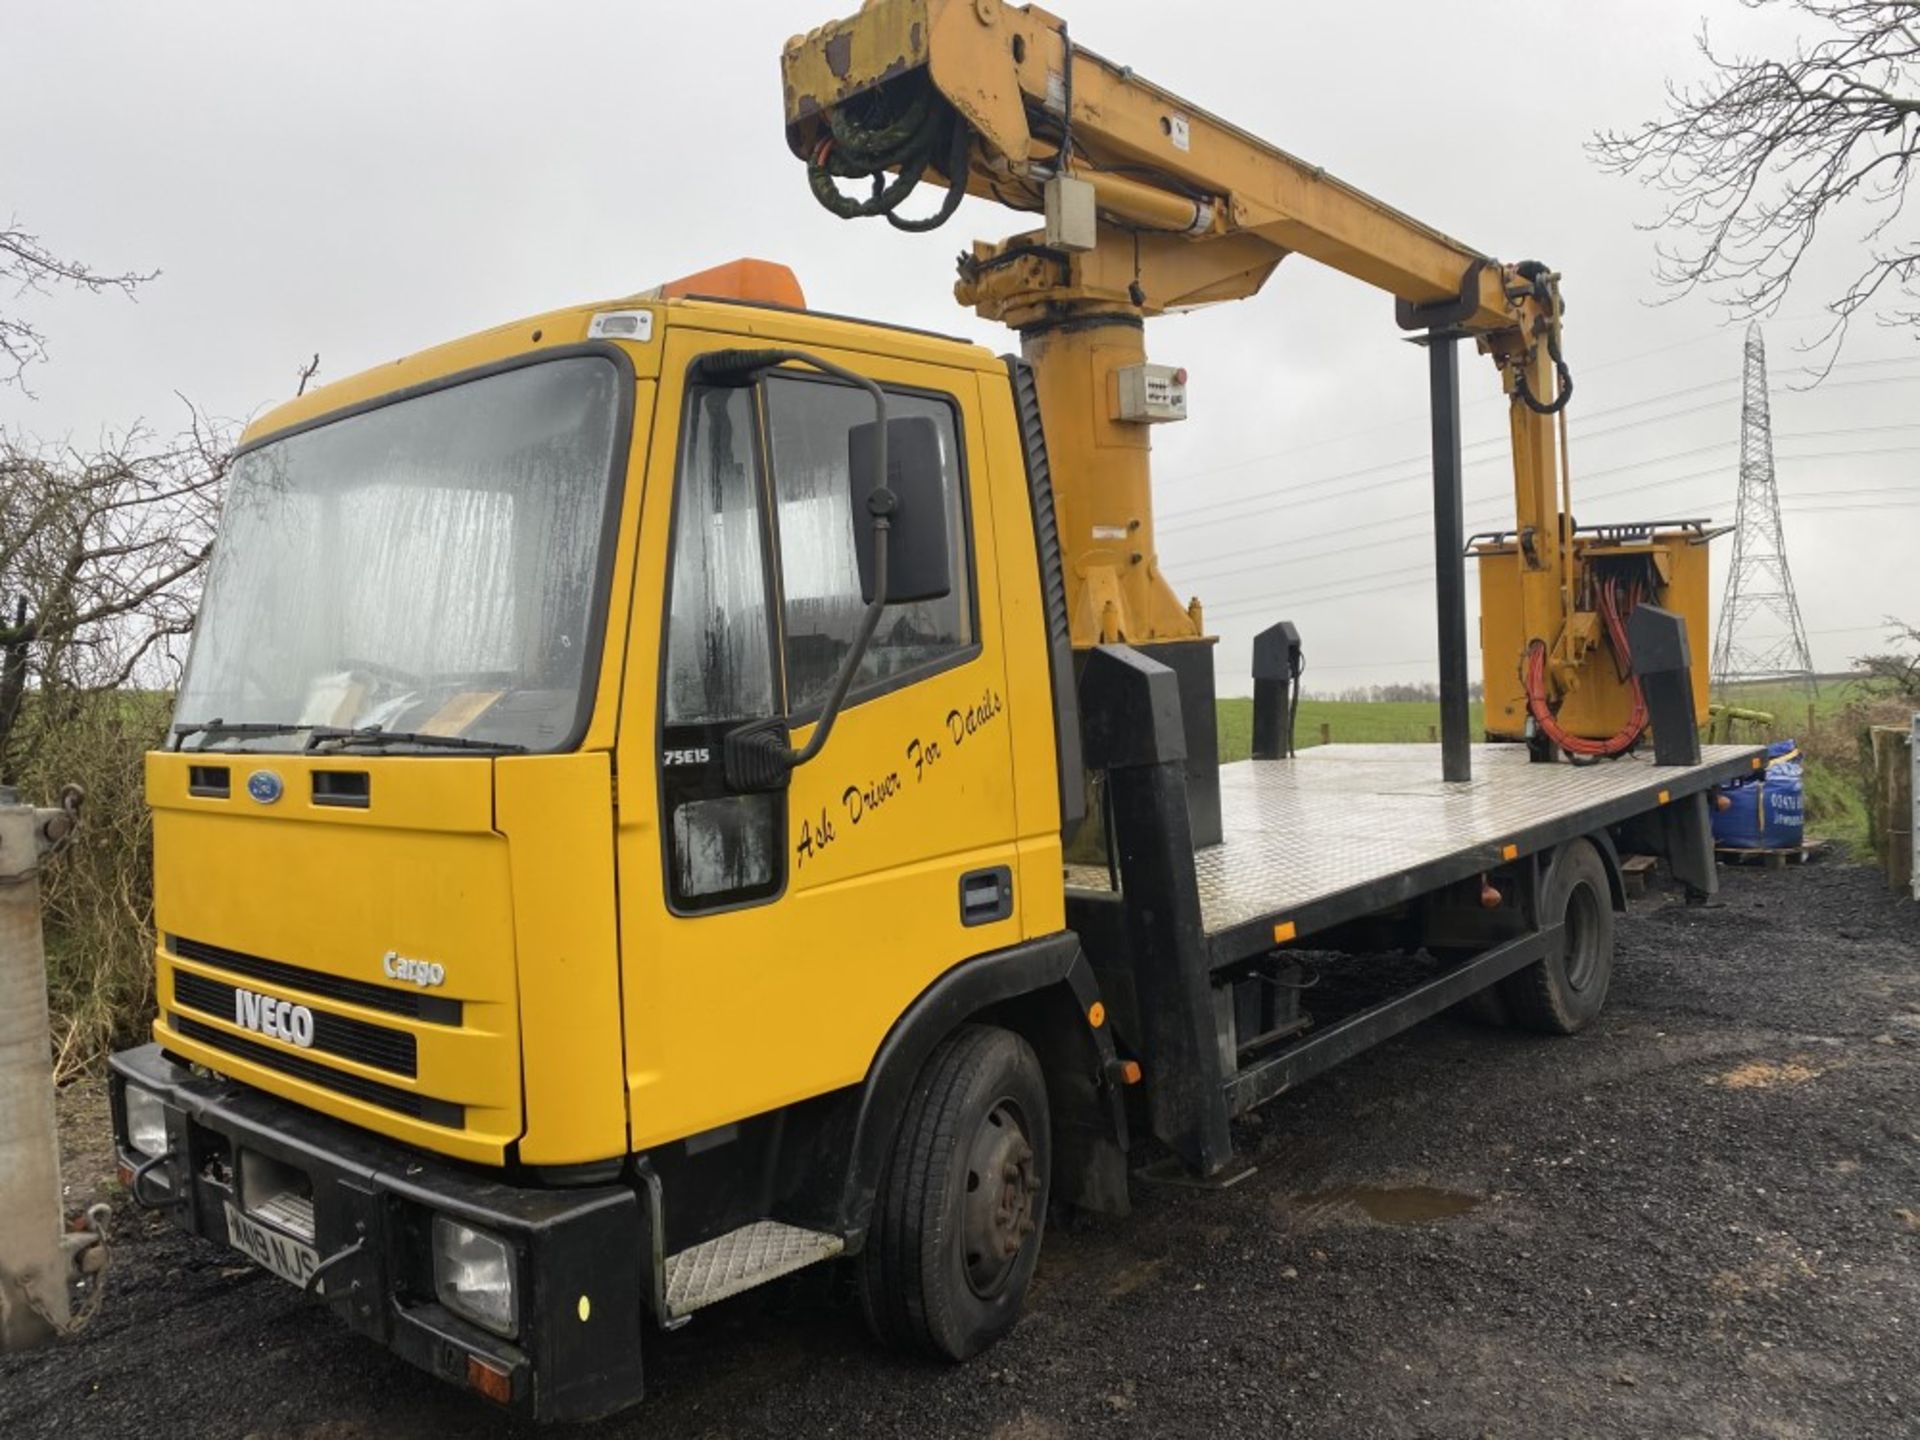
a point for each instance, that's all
(771, 940)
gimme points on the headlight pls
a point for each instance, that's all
(146, 1122)
(473, 1276)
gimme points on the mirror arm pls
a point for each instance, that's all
(850, 666)
(757, 756)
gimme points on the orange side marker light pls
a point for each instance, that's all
(490, 1380)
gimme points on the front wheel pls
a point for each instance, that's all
(1564, 993)
(957, 1221)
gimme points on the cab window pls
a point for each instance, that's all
(719, 636)
(722, 849)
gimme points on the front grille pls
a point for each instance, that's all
(387, 1097)
(412, 1003)
(340, 1035)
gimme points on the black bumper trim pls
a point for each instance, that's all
(570, 1361)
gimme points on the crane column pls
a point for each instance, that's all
(1449, 554)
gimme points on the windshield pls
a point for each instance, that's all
(429, 567)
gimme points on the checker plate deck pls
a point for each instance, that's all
(1343, 819)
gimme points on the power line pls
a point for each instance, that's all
(1291, 557)
(1576, 433)
(1350, 586)
(1274, 499)
(1481, 401)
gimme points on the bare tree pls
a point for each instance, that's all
(29, 267)
(1895, 674)
(1757, 159)
(100, 562)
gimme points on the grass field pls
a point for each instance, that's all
(1379, 722)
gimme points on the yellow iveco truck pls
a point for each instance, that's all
(680, 789)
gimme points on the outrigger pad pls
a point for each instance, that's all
(1275, 650)
(1658, 639)
(1129, 710)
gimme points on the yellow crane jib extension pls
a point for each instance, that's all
(1151, 205)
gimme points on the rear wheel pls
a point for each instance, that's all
(1483, 1007)
(957, 1222)
(1564, 993)
(1487, 1007)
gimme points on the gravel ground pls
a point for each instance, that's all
(1701, 1218)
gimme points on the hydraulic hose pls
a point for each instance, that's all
(1536, 687)
(1547, 292)
(906, 143)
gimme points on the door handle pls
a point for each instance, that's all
(986, 895)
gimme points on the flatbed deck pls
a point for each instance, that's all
(1342, 831)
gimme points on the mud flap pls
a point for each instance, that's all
(1682, 832)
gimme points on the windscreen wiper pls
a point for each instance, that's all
(218, 729)
(333, 737)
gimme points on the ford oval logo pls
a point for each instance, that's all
(264, 786)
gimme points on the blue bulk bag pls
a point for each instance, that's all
(1766, 811)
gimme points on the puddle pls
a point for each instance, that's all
(1395, 1204)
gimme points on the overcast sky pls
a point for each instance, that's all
(363, 180)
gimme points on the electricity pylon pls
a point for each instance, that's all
(1759, 585)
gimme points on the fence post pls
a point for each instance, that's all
(34, 1305)
(1892, 809)
(1326, 732)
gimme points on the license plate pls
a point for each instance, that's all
(288, 1259)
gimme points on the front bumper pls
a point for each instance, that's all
(580, 1254)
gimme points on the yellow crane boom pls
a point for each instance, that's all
(1154, 205)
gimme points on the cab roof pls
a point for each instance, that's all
(754, 299)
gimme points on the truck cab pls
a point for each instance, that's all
(451, 876)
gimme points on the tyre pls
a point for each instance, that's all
(962, 1203)
(1564, 993)
(1487, 1007)
(1483, 1007)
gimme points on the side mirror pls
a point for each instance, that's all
(918, 563)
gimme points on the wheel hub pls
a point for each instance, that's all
(1581, 956)
(1002, 1184)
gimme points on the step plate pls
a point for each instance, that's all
(740, 1260)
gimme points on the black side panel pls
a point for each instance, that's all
(1665, 667)
(1053, 591)
(1192, 662)
(1136, 735)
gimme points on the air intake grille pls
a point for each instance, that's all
(387, 1097)
(340, 1035)
(412, 1003)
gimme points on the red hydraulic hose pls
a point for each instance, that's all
(1536, 683)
